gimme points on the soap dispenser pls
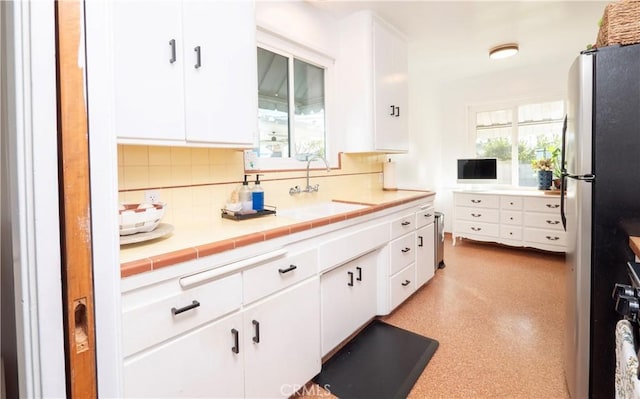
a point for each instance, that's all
(257, 195)
(245, 195)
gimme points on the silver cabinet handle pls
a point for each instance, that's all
(198, 57)
(406, 282)
(552, 238)
(405, 223)
(173, 58)
(476, 228)
(405, 250)
(475, 201)
(552, 206)
(552, 222)
(476, 215)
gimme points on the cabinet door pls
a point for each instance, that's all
(201, 363)
(348, 299)
(391, 90)
(425, 254)
(148, 81)
(282, 341)
(220, 71)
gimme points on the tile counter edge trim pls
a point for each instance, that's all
(132, 268)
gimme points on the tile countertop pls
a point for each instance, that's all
(193, 239)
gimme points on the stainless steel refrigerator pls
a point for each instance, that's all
(601, 158)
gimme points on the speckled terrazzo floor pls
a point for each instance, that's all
(498, 314)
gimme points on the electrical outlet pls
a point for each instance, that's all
(152, 196)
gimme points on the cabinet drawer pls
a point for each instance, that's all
(511, 233)
(403, 225)
(476, 228)
(553, 237)
(402, 252)
(477, 200)
(156, 321)
(511, 218)
(425, 216)
(551, 205)
(344, 248)
(403, 285)
(550, 221)
(274, 276)
(477, 214)
(511, 203)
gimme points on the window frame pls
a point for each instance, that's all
(473, 110)
(292, 50)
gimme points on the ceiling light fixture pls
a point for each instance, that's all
(503, 51)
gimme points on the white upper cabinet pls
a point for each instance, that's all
(148, 83)
(185, 72)
(373, 84)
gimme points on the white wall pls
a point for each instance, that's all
(439, 117)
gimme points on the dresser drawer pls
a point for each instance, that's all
(511, 233)
(511, 203)
(271, 277)
(156, 321)
(477, 214)
(425, 216)
(477, 200)
(402, 252)
(511, 218)
(550, 221)
(553, 237)
(403, 285)
(476, 228)
(403, 224)
(550, 205)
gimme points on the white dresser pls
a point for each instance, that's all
(524, 218)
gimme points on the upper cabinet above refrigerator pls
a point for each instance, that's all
(182, 71)
(372, 75)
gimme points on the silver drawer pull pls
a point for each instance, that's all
(405, 250)
(476, 215)
(552, 221)
(406, 282)
(552, 206)
(405, 223)
(427, 215)
(475, 201)
(177, 311)
(553, 238)
(476, 228)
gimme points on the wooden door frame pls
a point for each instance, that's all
(75, 203)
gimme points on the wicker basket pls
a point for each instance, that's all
(620, 24)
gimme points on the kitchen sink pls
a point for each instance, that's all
(319, 210)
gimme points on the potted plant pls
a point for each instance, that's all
(557, 168)
(544, 167)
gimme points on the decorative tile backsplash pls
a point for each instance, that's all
(196, 182)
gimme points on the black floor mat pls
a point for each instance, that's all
(382, 361)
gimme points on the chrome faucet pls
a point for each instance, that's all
(310, 188)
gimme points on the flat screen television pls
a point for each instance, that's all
(477, 170)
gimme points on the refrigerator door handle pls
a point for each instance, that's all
(563, 187)
(589, 177)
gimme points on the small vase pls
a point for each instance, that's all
(545, 178)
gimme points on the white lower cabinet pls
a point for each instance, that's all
(260, 330)
(348, 299)
(425, 254)
(282, 341)
(201, 363)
